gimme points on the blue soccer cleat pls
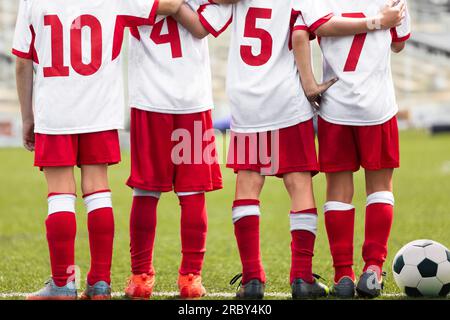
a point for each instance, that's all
(52, 292)
(99, 291)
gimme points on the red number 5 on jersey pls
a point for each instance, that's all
(58, 69)
(251, 31)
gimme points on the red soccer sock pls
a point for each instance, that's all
(194, 227)
(142, 232)
(101, 235)
(340, 224)
(246, 229)
(303, 229)
(61, 229)
(379, 217)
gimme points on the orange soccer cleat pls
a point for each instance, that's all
(191, 286)
(140, 286)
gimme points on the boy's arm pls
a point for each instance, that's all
(189, 19)
(302, 53)
(389, 17)
(169, 7)
(24, 81)
(210, 18)
(397, 47)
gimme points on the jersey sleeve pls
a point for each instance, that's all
(300, 25)
(24, 35)
(216, 18)
(139, 11)
(314, 13)
(403, 31)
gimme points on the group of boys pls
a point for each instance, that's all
(71, 94)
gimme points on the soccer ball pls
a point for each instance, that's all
(422, 269)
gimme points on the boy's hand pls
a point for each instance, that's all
(314, 91)
(28, 135)
(392, 14)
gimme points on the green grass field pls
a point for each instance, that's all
(422, 189)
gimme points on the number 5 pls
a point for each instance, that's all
(357, 45)
(251, 31)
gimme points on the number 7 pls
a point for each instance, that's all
(357, 45)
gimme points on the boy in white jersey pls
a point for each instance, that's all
(272, 131)
(163, 117)
(358, 127)
(70, 50)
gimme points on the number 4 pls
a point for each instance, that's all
(357, 45)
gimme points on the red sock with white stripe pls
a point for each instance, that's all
(246, 214)
(379, 217)
(101, 235)
(61, 229)
(340, 225)
(143, 220)
(194, 227)
(303, 232)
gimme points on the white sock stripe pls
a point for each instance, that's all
(61, 203)
(144, 193)
(381, 197)
(98, 200)
(185, 194)
(337, 206)
(245, 211)
(304, 221)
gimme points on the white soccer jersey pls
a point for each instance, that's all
(75, 45)
(169, 69)
(364, 94)
(263, 81)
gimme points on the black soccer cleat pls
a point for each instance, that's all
(305, 290)
(344, 289)
(252, 290)
(369, 286)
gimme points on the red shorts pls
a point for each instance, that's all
(275, 153)
(173, 152)
(76, 149)
(347, 148)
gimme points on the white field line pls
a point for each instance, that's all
(175, 294)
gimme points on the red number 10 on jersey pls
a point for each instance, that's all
(58, 69)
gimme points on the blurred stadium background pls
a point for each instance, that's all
(422, 72)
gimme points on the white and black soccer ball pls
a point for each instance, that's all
(422, 269)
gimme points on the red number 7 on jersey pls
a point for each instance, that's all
(357, 45)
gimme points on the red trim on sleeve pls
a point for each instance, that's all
(31, 54)
(21, 54)
(207, 25)
(123, 22)
(320, 22)
(396, 38)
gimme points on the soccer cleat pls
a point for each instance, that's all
(369, 286)
(305, 290)
(252, 290)
(344, 289)
(191, 286)
(52, 292)
(99, 291)
(140, 286)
